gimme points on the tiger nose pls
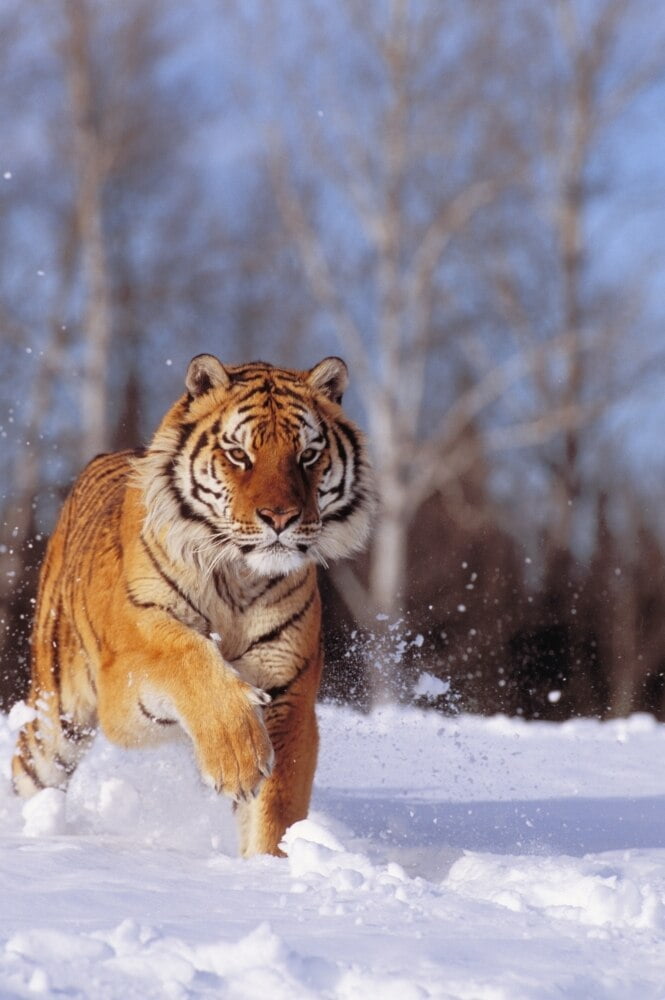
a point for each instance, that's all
(277, 518)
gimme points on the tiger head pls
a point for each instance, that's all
(259, 464)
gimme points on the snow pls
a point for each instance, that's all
(430, 687)
(445, 857)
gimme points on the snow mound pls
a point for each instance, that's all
(139, 961)
(590, 892)
(44, 815)
(155, 797)
(316, 855)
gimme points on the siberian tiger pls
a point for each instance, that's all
(179, 589)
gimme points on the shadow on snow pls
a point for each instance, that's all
(427, 836)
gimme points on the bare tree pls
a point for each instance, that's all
(381, 175)
(421, 200)
(118, 246)
(437, 169)
(91, 163)
(598, 61)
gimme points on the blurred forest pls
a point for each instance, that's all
(464, 198)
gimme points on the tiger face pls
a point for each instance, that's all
(259, 464)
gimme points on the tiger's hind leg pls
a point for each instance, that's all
(47, 753)
(62, 697)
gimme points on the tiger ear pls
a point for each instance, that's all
(205, 372)
(330, 377)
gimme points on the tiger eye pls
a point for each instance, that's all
(239, 456)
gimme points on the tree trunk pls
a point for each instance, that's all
(624, 662)
(97, 312)
(387, 577)
(388, 562)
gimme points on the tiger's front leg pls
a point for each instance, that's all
(146, 687)
(284, 798)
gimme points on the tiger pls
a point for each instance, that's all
(179, 593)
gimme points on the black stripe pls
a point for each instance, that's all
(346, 511)
(56, 666)
(67, 767)
(171, 583)
(84, 651)
(256, 391)
(279, 629)
(185, 509)
(223, 591)
(344, 457)
(184, 434)
(197, 486)
(278, 692)
(55, 646)
(199, 446)
(24, 743)
(149, 605)
(154, 718)
(253, 369)
(245, 420)
(289, 592)
(335, 490)
(105, 472)
(84, 605)
(31, 773)
(352, 435)
(293, 426)
(269, 585)
(72, 732)
(198, 489)
(294, 396)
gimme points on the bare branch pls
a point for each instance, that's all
(539, 430)
(314, 263)
(469, 405)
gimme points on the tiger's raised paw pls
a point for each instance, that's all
(233, 747)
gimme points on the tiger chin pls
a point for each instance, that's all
(179, 590)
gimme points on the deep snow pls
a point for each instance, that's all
(485, 859)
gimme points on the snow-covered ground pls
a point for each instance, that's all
(485, 859)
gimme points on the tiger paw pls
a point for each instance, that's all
(234, 750)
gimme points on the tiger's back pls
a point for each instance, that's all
(179, 590)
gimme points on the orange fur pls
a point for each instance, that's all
(179, 590)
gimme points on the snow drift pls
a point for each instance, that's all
(461, 857)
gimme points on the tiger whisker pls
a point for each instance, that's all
(216, 552)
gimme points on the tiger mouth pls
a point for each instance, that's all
(277, 557)
(276, 546)
(279, 546)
